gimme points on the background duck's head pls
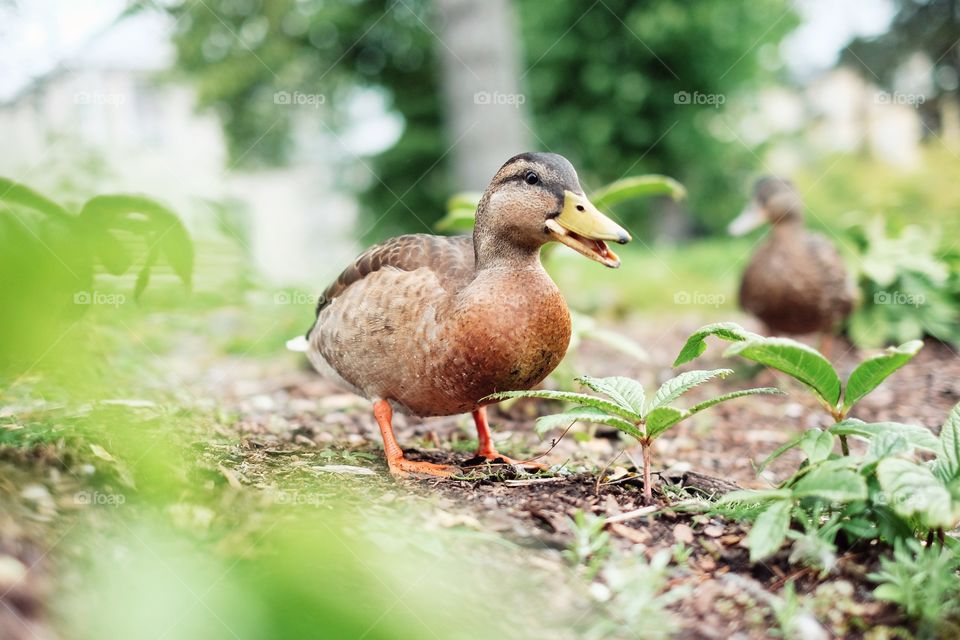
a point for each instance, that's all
(536, 198)
(775, 201)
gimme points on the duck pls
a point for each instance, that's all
(431, 325)
(796, 282)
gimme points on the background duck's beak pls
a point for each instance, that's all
(584, 229)
(749, 219)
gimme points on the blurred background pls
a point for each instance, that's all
(288, 135)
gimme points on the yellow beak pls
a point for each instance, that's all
(584, 229)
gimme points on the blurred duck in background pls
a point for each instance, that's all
(796, 282)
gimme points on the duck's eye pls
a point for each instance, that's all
(532, 178)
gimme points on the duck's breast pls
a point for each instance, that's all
(508, 333)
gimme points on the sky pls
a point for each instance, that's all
(38, 35)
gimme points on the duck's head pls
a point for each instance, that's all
(775, 201)
(536, 198)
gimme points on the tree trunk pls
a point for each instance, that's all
(485, 110)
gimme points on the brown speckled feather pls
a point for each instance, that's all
(413, 321)
(797, 282)
(451, 257)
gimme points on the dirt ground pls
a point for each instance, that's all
(284, 417)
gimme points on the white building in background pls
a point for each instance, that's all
(105, 115)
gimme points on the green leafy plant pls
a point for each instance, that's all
(49, 258)
(906, 289)
(636, 593)
(806, 365)
(623, 405)
(591, 543)
(882, 494)
(462, 207)
(923, 582)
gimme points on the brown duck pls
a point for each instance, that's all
(430, 325)
(796, 281)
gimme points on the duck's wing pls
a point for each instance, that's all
(451, 258)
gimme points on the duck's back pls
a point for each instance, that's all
(797, 283)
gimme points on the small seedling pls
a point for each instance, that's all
(591, 543)
(923, 582)
(883, 494)
(807, 365)
(626, 408)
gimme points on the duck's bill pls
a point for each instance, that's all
(584, 229)
(748, 220)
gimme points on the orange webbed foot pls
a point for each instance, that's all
(403, 468)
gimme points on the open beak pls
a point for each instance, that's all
(749, 219)
(584, 229)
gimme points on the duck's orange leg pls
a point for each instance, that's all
(400, 466)
(485, 448)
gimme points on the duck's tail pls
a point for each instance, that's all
(298, 344)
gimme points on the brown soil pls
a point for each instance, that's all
(287, 417)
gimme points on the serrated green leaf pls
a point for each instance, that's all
(915, 435)
(831, 483)
(626, 392)
(696, 344)
(769, 530)
(733, 395)
(887, 444)
(582, 399)
(872, 371)
(662, 418)
(585, 414)
(913, 490)
(679, 385)
(947, 466)
(637, 187)
(796, 360)
(817, 445)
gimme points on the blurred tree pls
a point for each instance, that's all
(931, 27)
(620, 88)
(485, 108)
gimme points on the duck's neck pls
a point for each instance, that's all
(788, 228)
(493, 252)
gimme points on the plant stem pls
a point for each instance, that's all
(647, 481)
(844, 447)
